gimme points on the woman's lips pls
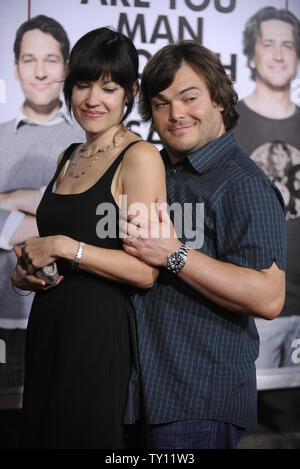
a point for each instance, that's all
(92, 114)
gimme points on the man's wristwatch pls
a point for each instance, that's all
(177, 259)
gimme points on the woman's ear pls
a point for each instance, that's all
(135, 88)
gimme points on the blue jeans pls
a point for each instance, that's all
(193, 434)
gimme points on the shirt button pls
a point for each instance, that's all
(174, 171)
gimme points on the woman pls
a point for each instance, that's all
(77, 356)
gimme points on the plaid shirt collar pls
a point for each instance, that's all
(205, 157)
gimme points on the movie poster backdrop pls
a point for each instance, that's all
(151, 24)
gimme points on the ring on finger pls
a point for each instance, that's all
(131, 240)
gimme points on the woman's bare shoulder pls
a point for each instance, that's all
(142, 153)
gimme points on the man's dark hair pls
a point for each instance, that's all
(159, 74)
(46, 25)
(103, 53)
(252, 30)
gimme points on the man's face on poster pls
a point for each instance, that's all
(275, 60)
(40, 69)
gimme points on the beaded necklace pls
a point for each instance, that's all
(93, 157)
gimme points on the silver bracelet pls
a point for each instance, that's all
(79, 253)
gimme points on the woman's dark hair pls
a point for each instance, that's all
(46, 25)
(252, 30)
(103, 53)
(159, 73)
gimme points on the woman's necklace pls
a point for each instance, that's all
(93, 157)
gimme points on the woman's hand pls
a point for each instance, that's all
(39, 252)
(22, 279)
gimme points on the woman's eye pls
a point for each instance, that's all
(81, 86)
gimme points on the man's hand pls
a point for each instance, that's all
(151, 241)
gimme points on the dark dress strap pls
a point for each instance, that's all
(68, 152)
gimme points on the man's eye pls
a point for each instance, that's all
(109, 90)
(160, 105)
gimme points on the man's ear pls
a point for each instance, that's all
(252, 64)
(16, 71)
(66, 69)
(219, 106)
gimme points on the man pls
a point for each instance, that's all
(30, 146)
(195, 334)
(268, 131)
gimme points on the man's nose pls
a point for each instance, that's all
(177, 111)
(278, 53)
(40, 70)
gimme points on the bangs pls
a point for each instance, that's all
(102, 53)
(103, 64)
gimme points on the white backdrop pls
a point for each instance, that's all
(217, 24)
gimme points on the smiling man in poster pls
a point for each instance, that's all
(268, 131)
(29, 146)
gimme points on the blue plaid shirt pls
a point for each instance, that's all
(195, 359)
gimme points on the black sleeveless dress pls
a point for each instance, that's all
(77, 351)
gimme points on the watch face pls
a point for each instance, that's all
(176, 261)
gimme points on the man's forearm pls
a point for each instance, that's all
(25, 200)
(238, 289)
(260, 293)
(233, 287)
(27, 229)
